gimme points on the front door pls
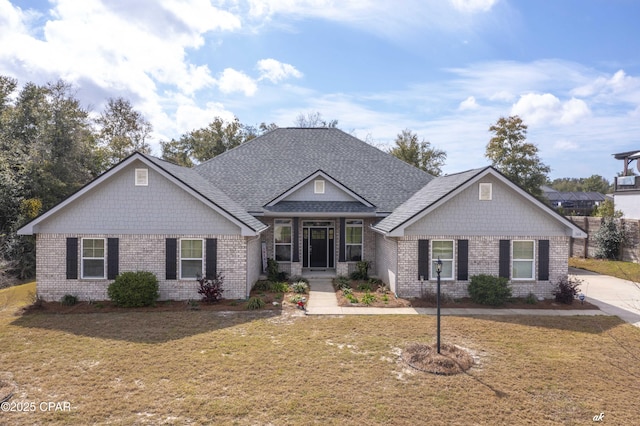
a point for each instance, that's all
(318, 244)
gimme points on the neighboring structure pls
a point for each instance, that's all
(310, 198)
(626, 196)
(573, 203)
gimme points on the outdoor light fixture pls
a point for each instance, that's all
(438, 270)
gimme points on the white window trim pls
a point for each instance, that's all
(201, 259)
(142, 177)
(433, 273)
(104, 259)
(533, 261)
(318, 186)
(275, 245)
(483, 188)
(354, 225)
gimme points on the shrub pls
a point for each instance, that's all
(273, 271)
(531, 299)
(362, 271)
(279, 287)
(69, 300)
(255, 303)
(134, 289)
(351, 298)
(365, 286)
(566, 289)
(608, 238)
(262, 285)
(211, 289)
(341, 283)
(298, 278)
(300, 287)
(368, 298)
(489, 289)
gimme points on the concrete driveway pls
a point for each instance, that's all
(612, 295)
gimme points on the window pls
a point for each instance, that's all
(282, 239)
(142, 177)
(318, 187)
(353, 240)
(190, 259)
(523, 260)
(443, 250)
(93, 258)
(485, 192)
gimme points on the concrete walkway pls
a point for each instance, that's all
(322, 301)
(613, 296)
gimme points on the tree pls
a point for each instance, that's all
(606, 209)
(203, 144)
(594, 183)
(314, 119)
(123, 131)
(419, 154)
(514, 157)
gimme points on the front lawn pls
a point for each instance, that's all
(266, 367)
(625, 270)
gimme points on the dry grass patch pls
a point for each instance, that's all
(452, 359)
(245, 368)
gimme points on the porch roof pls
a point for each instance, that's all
(320, 207)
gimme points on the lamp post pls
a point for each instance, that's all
(438, 270)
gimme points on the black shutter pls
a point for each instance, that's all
(505, 258)
(296, 243)
(423, 259)
(211, 266)
(543, 260)
(171, 267)
(72, 258)
(463, 260)
(113, 259)
(342, 240)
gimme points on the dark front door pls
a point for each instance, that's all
(318, 243)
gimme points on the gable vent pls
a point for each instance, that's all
(142, 177)
(318, 187)
(485, 192)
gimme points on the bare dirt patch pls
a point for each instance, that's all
(451, 360)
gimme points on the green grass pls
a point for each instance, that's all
(246, 368)
(625, 270)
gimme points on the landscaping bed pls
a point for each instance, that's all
(274, 297)
(374, 293)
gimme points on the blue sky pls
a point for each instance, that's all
(445, 69)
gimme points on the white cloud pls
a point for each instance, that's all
(618, 83)
(190, 116)
(473, 6)
(276, 71)
(236, 81)
(469, 103)
(566, 145)
(546, 108)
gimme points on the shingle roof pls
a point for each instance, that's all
(196, 182)
(258, 171)
(431, 193)
(320, 207)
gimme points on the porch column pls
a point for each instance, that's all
(296, 242)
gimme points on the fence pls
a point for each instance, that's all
(586, 247)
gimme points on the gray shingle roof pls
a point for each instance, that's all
(425, 197)
(320, 206)
(258, 171)
(196, 182)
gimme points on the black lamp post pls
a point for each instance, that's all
(438, 270)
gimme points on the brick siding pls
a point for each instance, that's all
(140, 253)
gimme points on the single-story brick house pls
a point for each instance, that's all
(309, 198)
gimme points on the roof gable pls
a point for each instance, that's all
(261, 170)
(186, 179)
(446, 188)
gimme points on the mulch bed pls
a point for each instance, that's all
(223, 305)
(451, 359)
(390, 301)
